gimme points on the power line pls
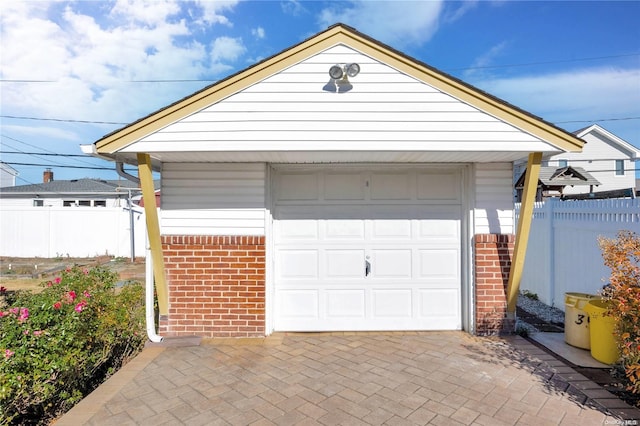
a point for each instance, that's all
(602, 119)
(62, 166)
(43, 153)
(528, 64)
(37, 147)
(63, 120)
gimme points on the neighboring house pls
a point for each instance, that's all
(70, 193)
(338, 185)
(553, 182)
(7, 175)
(609, 159)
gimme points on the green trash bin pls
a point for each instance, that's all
(576, 320)
(604, 347)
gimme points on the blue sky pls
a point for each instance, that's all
(71, 72)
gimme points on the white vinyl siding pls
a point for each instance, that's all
(494, 198)
(386, 110)
(213, 199)
(600, 157)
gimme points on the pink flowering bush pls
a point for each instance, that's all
(56, 346)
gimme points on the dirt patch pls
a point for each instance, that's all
(20, 273)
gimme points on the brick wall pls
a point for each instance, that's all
(493, 254)
(216, 286)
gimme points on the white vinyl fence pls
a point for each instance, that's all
(563, 253)
(50, 232)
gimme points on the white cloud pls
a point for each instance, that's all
(227, 49)
(258, 32)
(211, 11)
(485, 60)
(460, 11)
(90, 63)
(586, 94)
(292, 7)
(397, 23)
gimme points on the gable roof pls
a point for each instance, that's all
(619, 143)
(112, 143)
(563, 176)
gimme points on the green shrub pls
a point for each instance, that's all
(622, 255)
(56, 346)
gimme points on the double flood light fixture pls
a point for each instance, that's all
(340, 77)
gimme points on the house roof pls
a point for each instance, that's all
(113, 144)
(563, 176)
(75, 186)
(621, 144)
(7, 168)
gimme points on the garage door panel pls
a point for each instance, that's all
(344, 229)
(344, 186)
(297, 186)
(298, 264)
(389, 263)
(390, 186)
(441, 264)
(298, 304)
(391, 229)
(388, 303)
(344, 264)
(440, 186)
(439, 303)
(346, 304)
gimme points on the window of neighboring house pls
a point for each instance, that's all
(100, 203)
(545, 163)
(84, 203)
(38, 203)
(619, 167)
(562, 163)
(68, 203)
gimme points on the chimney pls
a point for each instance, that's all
(47, 176)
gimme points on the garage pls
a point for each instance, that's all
(359, 249)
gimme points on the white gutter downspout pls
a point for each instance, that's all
(149, 311)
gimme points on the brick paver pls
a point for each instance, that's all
(421, 378)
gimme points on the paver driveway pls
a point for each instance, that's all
(442, 378)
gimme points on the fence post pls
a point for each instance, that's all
(549, 212)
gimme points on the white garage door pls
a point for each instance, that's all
(367, 250)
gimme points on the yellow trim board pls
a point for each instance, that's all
(153, 230)
(335, 35)
(524, 229)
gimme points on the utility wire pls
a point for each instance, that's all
(526, 64)
(62, 166)
(37, 147)
(61, 120)
(42, 153)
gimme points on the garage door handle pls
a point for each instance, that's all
(367, 268)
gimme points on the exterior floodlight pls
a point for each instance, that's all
(336, 72)
(352, 69)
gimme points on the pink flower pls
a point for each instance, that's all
(3, 313)
(38, 332)
(57, 305)
(86, 294)
(24, 314)
(71, 296)
(49, 284)
(26, 332)
(8, 353)
(80, 306)
(86, 271)
(3, 289)
(14, 311)
(58, 280)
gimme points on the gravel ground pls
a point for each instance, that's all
(539, 309)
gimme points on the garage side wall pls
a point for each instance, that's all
(213, 226)
(493, 244)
